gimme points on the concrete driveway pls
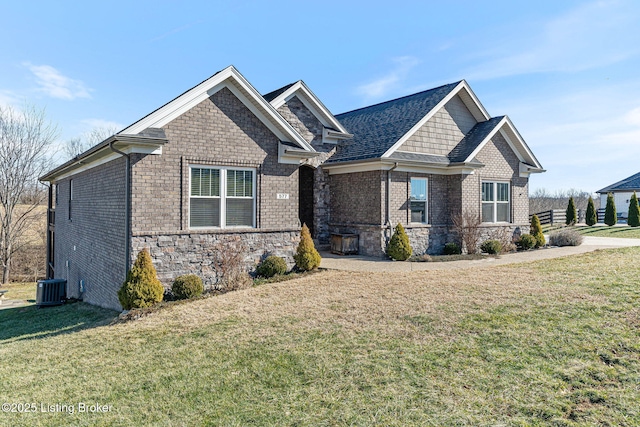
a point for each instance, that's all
(363, 263)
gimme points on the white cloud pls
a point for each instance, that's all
(56, 85)
(101, 124)
(593, 35)
(633, 117)
(383, 85)
(7, 98)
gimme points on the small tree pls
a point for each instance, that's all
(610, 215)
(142, 287)
(307, 257)
(399, 247)
(536, 231)
(591, 216)
(633, 218)
(467, 227)
(571, 217)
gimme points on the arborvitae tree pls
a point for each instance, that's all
(536, 231)
(633, 218)
(307, 257)
(610, 215)
(142, 287)
(571, 213)
(399, 247)
(591, 216)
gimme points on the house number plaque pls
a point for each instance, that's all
(283, 196)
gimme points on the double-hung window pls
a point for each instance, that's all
(221, 197)
(495, 202)
(418, 200)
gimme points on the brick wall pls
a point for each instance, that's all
(357, 198)
(443, 131)
(218, 131)
(93, 242)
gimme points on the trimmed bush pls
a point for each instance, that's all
(452, 249)
(491, 247)
(526, 242)
(565, 237)
(307, 257)
(571, 216)
(271, 266)
(187, 286)
(610, 214)
(591, 216)
(142, 287)
(399, 247)
(633, 218)
(536, 231)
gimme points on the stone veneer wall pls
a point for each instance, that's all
(194, 253)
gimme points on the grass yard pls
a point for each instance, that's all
(606, 231)
(23, 291)
(547, 343)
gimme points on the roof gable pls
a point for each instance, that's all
(241, 88)
(300, 90)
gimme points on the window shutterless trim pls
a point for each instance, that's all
(223, 196)
(495, 202)
(426, 201)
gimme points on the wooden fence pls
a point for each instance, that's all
(558, 216)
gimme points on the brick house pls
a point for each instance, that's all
(222, 164)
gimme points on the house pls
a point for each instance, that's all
(223, 165)
(622, 192)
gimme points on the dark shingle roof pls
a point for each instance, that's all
(376, 128)
(471, 140)
(628, 184)
(273, 95)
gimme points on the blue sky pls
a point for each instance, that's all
(567, 73)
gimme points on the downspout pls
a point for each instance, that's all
(388, 222)
(128, 205)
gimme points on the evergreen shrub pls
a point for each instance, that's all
(271, 266)
(142, 287)
(399, 247)
(307, 257)
(187, 286)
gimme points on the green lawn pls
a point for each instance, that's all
(605, 231)
(23, 291)
(548, 343)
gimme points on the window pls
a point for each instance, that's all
(419, 200)
(70, 196)
(221, 197)
(495, 202)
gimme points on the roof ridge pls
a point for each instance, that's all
(399, 98)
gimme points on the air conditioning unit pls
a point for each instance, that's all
(51, 292)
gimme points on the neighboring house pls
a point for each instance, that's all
(622, 192)
(223, 166)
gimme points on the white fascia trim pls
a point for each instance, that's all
(311, 101)
(462, 85)
(270, 117)
(290, 156)
(522, 143)
(400, 167)
(475, 100)
(107, 159)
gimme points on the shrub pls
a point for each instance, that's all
(307, 257)
(452, 249)
(491, 246)
(565, 237)
(506, 238)
(271, 266)
(571, 217)
(228, 262)
(633, 218)
(142, 288)
(467, 227)
(187, 286)
(591, 216)
(399, 247)
(526, 242)
(610, 215)
(536, 231)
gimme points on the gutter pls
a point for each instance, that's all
(127, 213)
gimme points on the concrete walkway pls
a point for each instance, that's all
(363, 263)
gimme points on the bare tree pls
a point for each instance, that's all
(80, 144)
(25, 140)
(542, 199)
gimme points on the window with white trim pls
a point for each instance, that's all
(495, 201)
(418, 202)
(221, 197)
